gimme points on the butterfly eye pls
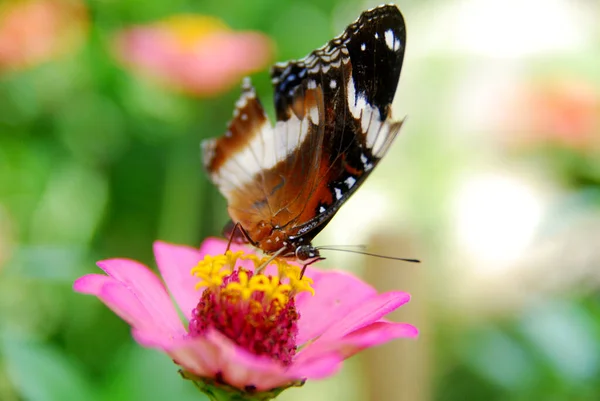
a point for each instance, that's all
(305, 252)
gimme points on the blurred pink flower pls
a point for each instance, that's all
(249, 330)
(564, 112)
(34, 31)
(199, 55)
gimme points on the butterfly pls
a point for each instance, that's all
(284, 182)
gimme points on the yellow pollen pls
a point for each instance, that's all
(188, 29)
(277, 289)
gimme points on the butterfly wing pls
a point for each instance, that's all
(333, 126)
(358, 73)
(261, 168)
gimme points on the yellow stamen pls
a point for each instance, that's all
(277, 288)
(188, 29)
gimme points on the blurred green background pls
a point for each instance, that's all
(494, 183)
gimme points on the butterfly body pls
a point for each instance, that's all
(284, 182)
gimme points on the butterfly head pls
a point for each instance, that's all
(307, 252)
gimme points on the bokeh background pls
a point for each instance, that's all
(494, 183)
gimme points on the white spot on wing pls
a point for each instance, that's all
(351, 93)
(363, 47)
(365, 161)
(311, 84)
(360, 105)
(338, 193)
(350, 181)
(376, 35)
(333, 84)
(313, 115)
(370, 118)
(322, 209)
(356, 102)
(391, 40)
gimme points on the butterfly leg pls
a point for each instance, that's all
(232, 235)
(315, 260)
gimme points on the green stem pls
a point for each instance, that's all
(223, 392)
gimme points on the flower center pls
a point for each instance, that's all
(188, 29)
(255, 310)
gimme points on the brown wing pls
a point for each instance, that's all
(261, 169)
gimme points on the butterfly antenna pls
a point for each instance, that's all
(342, 247)
(327, 248)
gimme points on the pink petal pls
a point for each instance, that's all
(155, 337)
(215, 246)
(368, 312)
(198, 356)
(127, 306)
(380, 332)
(215, 353)
(147, 288)
(316, 366)
(241, 368)
(175, 263)
(118, 298)
(369, 336)
(336, 294)
(91, 283)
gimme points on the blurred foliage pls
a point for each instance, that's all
(96, 162)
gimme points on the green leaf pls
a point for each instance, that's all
(72, 206)
(148, 375)
(40, 372)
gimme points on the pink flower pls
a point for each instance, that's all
(253, 330)
(34, 31)
(564, 112)
(199, 55)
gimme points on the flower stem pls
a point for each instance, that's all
(222, 392)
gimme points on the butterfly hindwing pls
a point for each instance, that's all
(261, 168)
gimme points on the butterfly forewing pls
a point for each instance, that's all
(283, 183)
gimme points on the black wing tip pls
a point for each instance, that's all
(378, 13)
(382, 9)
(374, 13)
